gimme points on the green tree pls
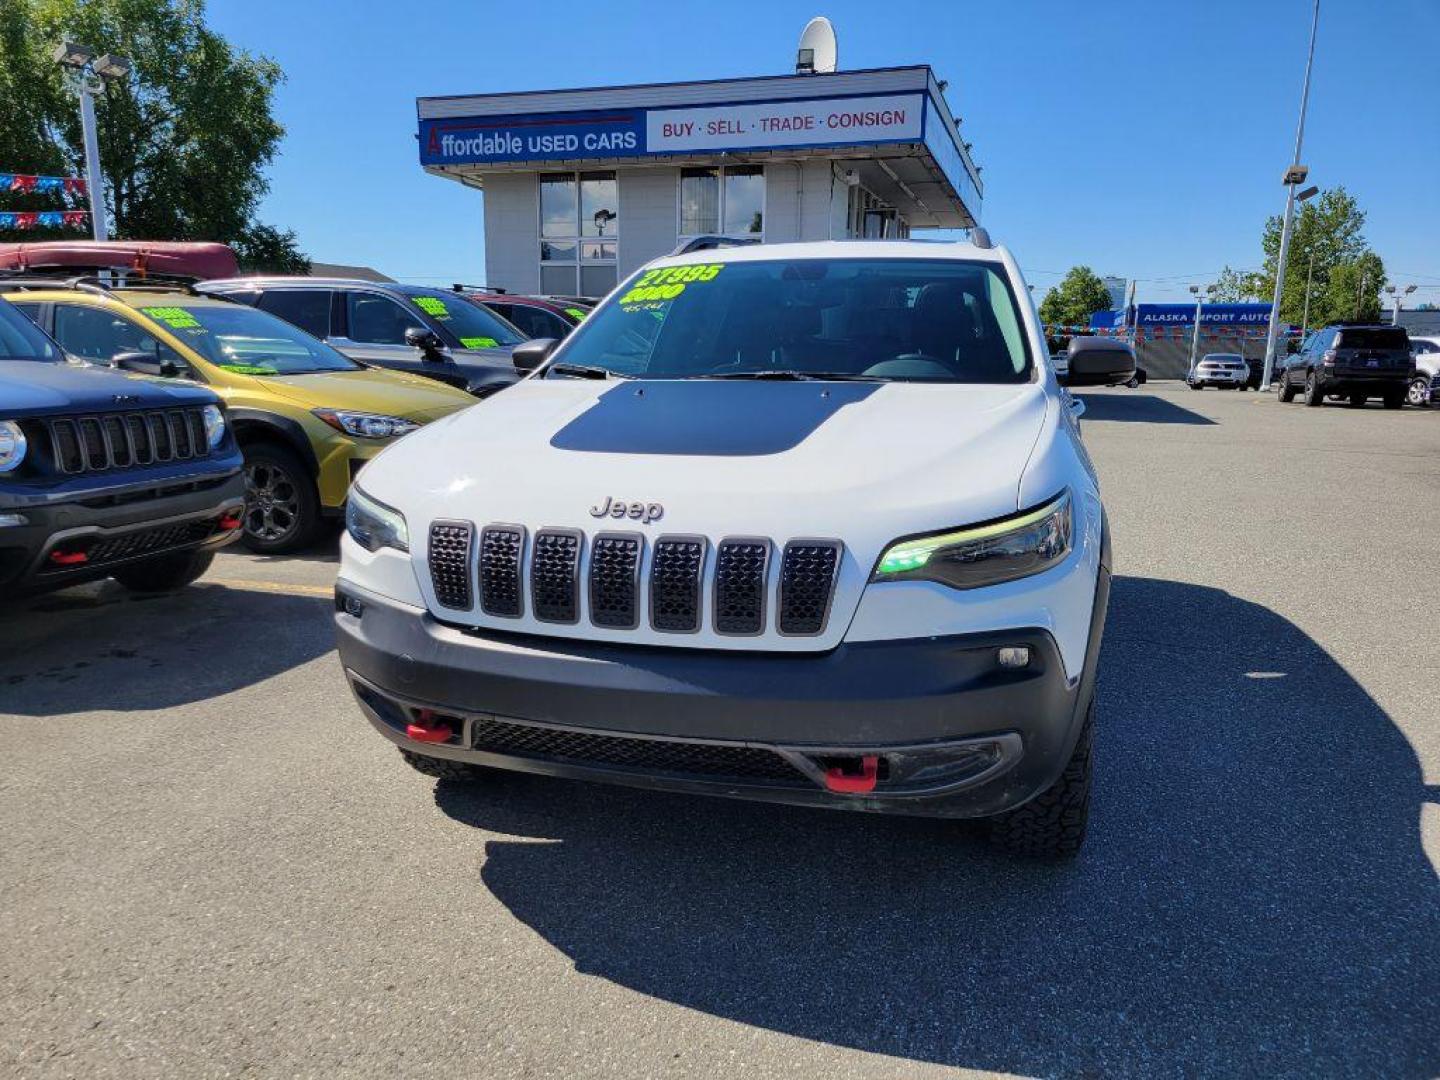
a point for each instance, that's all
(1234, 287)
(1328, 235)
(1079, 295)
(1353, 292)
(183, 140)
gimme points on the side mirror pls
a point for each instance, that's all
(529, 355)
(145, 364)
(427, 341)
(1098, 361)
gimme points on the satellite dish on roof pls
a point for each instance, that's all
(818, 53)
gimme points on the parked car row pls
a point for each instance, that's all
(314, 376)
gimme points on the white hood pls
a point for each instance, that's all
(864, 463)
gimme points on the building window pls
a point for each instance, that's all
(729, 201)
(579, 227)
(872, 218)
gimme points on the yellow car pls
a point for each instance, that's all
(307, 418)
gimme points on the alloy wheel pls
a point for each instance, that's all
(272, 502)
(1418, 392)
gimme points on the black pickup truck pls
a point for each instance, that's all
(107, 474)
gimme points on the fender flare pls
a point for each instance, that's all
(247, 423)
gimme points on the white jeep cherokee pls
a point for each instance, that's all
(809, 523)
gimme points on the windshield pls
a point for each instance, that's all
(21, 339)
(882, 319)
(237, 338)
(472, 326)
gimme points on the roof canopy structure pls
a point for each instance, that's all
(891, 126)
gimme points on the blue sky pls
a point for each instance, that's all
(1145, 139)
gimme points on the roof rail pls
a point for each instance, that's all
(20, 281)
(461, 286)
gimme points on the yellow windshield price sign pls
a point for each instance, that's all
(432, 306)
(174, 317)
(576, 313)
(479, 342)
(669, 282)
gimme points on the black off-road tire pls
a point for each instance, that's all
(1287, 392)
(441, 768)
(164, 572)
(1052, 824)
(1314, 396)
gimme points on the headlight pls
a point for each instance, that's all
(214, 425)
(12, 446)
(374, 525)
(1003, 550)
(366, 425)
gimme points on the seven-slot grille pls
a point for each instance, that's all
(740, 570)
(807, 579)
(676, 588)
(555, 576)
(449, 558)
(85, 444)
(615, 581)
(675, 574)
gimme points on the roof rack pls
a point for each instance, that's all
(24, 280)
(461, 287)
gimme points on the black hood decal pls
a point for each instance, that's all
(707, 419)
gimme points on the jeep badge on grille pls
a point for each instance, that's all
(644, 513)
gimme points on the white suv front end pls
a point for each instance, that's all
(814, 526)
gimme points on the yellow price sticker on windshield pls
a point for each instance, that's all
(669, 282)
(249, 369)
(576, 313)
(479, 342)
(432, 306)
(174, 317)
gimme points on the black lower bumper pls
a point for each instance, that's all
(948, 730)
(1374, 385)
(62, 544)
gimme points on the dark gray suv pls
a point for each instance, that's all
(1352, 362)
(430, 332)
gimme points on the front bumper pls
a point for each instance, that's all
(130, 530)
(948, 730)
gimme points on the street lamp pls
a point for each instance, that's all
(1304, 196)
(1396, 293)
(1199, 292)
(91, 75)
(1294, 176)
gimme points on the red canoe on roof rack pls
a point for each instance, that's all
(171, 258)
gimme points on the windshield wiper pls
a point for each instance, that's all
(791, 375)
(581, 371)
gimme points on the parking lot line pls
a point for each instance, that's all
(292, 588)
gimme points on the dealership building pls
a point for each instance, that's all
(581, 187)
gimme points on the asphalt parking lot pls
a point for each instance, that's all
(212, 867)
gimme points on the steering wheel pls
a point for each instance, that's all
(911, 366)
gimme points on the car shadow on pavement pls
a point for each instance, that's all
(100, 648)
(1138, 407)
(1253, 898)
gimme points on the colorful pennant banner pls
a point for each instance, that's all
(26, 184)
(24, 220)
(1168, 333)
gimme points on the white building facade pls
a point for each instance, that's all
(582, 187)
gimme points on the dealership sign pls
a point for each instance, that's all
(1222, 314)
(640, 132)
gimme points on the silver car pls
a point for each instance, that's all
(1220, 369)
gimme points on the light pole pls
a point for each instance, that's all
(1294, 176)
(1310, 273)
(1199, 292)
(1396, 293)
(91, 74)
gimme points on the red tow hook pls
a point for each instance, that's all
(838, 780)
(229, 522)
(424, 729)
(68, 558)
